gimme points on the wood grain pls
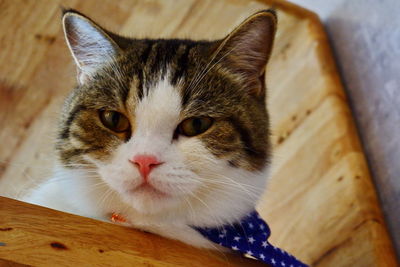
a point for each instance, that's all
(365, 53)
(320, 202)
(39, 236)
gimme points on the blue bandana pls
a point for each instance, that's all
(250, 237)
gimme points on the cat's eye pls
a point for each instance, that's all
(114, 120)
(195, 126)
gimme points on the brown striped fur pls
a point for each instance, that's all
(232, 92)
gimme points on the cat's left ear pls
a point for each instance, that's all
(90, 46)
(246, 50)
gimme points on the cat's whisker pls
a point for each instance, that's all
(242, 185)
(237, 218)
(97, 187)
(219, 250)
(231, 182)
(199, 73)
(85, 170)
(218, 222)
(251, 194)
(239, 188)
(78, 164)
(191, 209)
(104, 197)
(215, 180)
(208, 70)
(67, 176)
(222, 193)
(205, 69)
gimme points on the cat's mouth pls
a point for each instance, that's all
(147, 188)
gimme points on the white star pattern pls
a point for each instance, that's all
(251, 239)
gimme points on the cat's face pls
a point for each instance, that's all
(171, 125)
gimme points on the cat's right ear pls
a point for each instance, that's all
(90, 46)
(246, 50)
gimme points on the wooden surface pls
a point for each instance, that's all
(320, 203)
(366, 54)
(39, 236)
(365, 50)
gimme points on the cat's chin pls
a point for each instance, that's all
(148, 200)
(151, 191)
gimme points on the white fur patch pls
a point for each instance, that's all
(157, 115)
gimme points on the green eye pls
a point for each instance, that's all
(195, 126)
(114, 120)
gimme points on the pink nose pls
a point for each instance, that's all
(145, 163)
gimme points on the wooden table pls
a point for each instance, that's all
(39, 236)
(320, 202)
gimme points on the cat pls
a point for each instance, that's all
(166, 133)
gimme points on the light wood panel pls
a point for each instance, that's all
(39, 236)
(320, 203)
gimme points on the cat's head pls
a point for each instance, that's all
(171, 125)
